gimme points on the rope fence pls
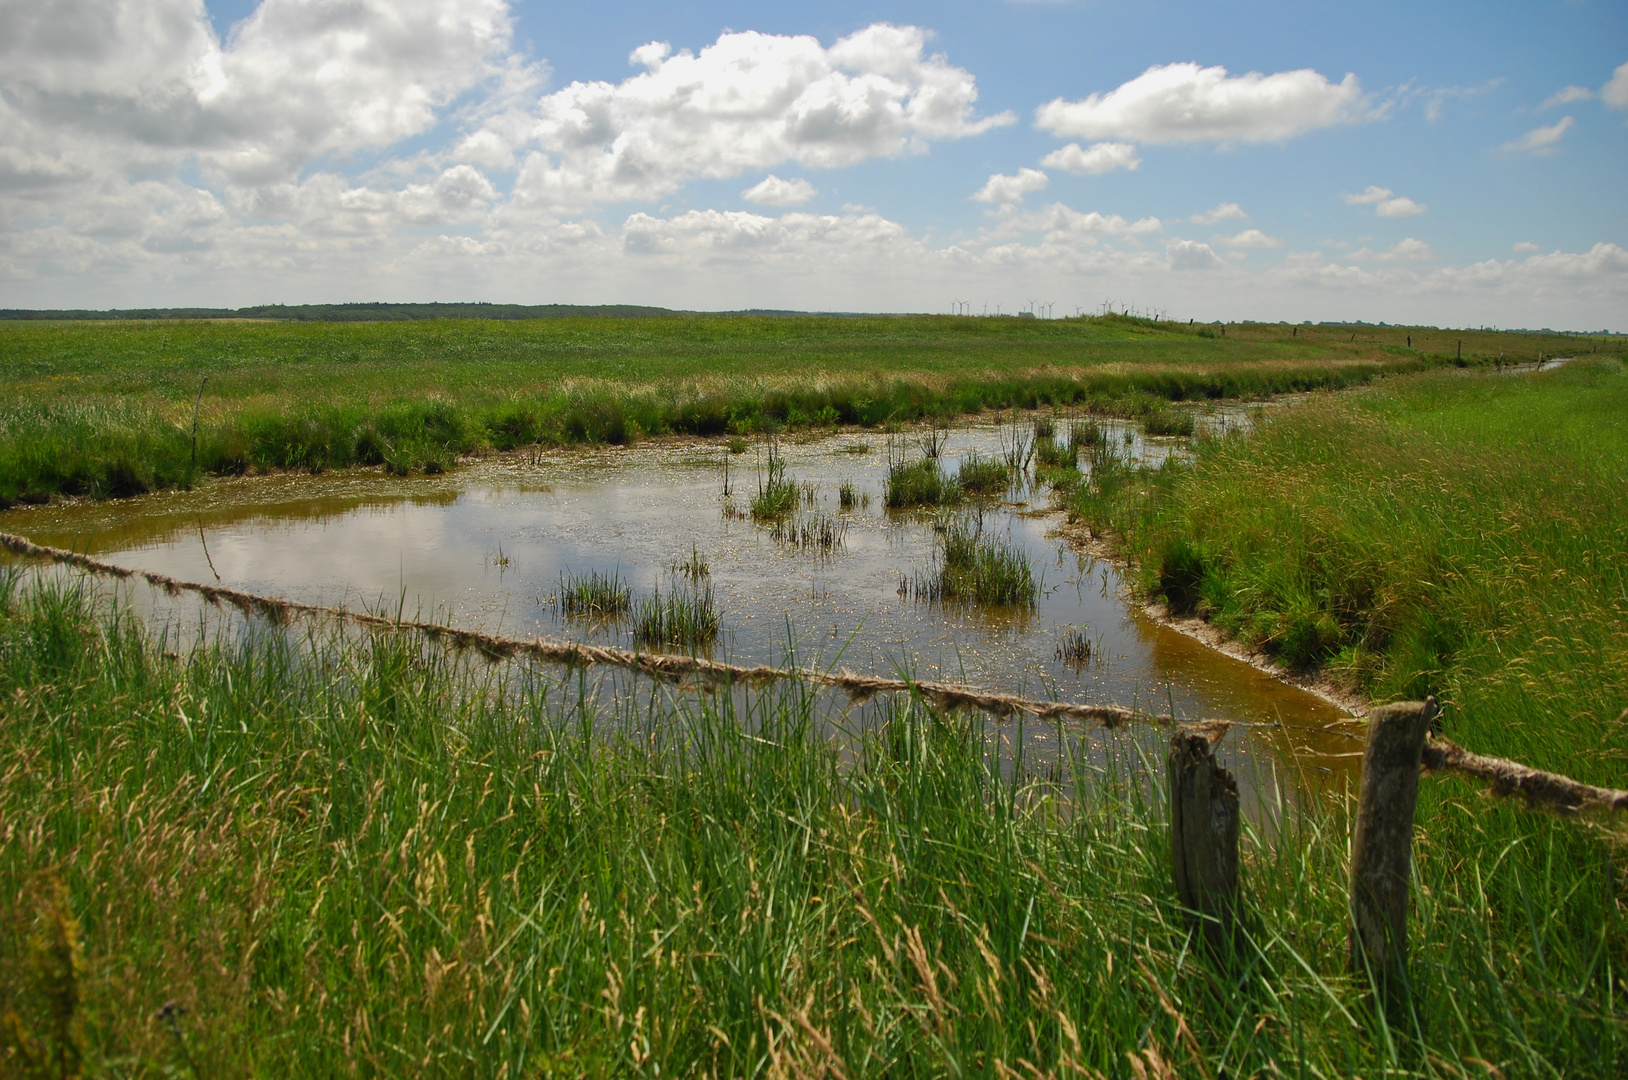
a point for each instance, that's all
(1503, 777)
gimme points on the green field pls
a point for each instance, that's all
(107, 408)
(356, 857)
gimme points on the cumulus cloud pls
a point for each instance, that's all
(748, 101)
(1386, 203)
(1526, 246)
(773, 191)
(1223, 212)
(1007, 190)
(1177, 103)
(1192, 255)
(1565, 96)
(1615, 92)
(1540, 141)
(1250, 238)
(1097, 159)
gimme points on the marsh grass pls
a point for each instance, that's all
(684, 617)
(777, 494)
(975, 567)
(823, 533)
(1084, 434)
(693, 568)
(848, 496)
(299, 855)
(916, 483)
(983, 477)
(1052, 454)
(1073, 648)
(593, 595)
(1164, 420)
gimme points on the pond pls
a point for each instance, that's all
(489, 545)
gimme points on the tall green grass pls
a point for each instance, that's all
(299, 855)
(103, 409)
(1458, 534)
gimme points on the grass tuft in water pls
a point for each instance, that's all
(849, 497)
(918, 483)
(817, 532)
(685, 616)
(593, 595)
(1083, 434)
(974, 567)
(1165, 420)
(987, 477)
(1073, 648)
(777, 494)
(1045, 427)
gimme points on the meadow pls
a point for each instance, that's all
(295, 853)
(109, 409)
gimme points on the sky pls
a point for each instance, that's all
(1450, 164)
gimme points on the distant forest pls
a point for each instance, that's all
(356, 312)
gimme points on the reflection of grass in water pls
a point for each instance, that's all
(505, 873)
(974, 567)
(593, 595)
(685, 616)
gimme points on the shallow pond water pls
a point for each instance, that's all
(487, 546)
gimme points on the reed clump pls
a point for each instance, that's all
(973, 566)
(818, 532)
(1163, 420)
(777, 494)
(593, 595)
(918, 483)
(685, 616)
(985, 477)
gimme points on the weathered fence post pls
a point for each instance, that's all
(1204, 836)
(1382, 846)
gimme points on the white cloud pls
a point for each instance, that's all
(1192, 255)
(1064, 225)
(1386, 203)
(1565, 96)
(1250, 238)
(1007, 190)
(1540, 141)
(1186, 103)
(1226, 211)
(773, 191)
(749, 101)
(1526, 247)
(1097, 159)
(1615, 92)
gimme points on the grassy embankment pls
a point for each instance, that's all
(363, 859)
(106, 409)
(1454, 533)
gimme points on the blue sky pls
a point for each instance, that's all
(1454, 164)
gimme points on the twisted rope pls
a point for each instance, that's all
(859, 688)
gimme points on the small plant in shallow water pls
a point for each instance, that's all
(737, 445)
(849, 497)
(919, 483)
(1073, 648)
(1085, 433)
(694, 568)
(857, 448)
(1045, 428)
(1051, 454)
(686, 617)
(776, 494)
(593, 595)
(974, 567)
(1017, 448)
(979, 475)
(818, 532)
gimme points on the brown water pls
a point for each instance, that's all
(486, 546)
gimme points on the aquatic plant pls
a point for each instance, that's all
(776, 494)
(1051, 454)
(979, 475)
(1017, 449)
(1045, 427)
(693, 568)
(685, 616)
(849, 497)
(1085, 433)
(974, 567)
(1073, 648)
(592, 595)
(919, 483)
(1162, 420)
(819, 532)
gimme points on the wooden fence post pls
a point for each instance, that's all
(1382, 846)
(1204, 836)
